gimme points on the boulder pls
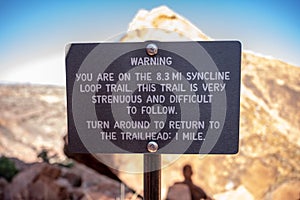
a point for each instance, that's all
(239, 193)
(286, 190)
(3, 184)
(36, 182)
(73, 179)
(45, 181)
(173, 26)
(45, 188)
(258, 171)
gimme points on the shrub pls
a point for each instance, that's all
(7, 168)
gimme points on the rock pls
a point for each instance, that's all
(286, 190)
(33, 118)
(46, 181)
(64, 183)
(3, 184)
(145, 24)
(45, 188)
(94, 184)
(19, 164)
(91, 161)
(258, 171)
(240, 193)
(74, 179)
(269, 122)
(76, 194)
(35, 183)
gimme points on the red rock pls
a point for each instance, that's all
(36, 182)
(74, 179)
(45, 188)
(240, 193)
(287, 190)
(3, 184)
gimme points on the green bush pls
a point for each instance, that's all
(7, 168)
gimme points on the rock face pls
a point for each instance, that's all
(269, 124)
(45, 181)
(32, 118)
(240, 193)
(266, 167)
(36, 182)
(160, 24)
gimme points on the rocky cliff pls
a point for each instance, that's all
(266, 167)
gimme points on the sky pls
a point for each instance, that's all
(33, 34)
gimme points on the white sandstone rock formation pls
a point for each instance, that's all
(162, 24)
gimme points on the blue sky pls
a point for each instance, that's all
(35, 32)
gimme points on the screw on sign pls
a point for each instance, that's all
(152, 49)
(152, 147)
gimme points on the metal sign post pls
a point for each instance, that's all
(152, 176)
